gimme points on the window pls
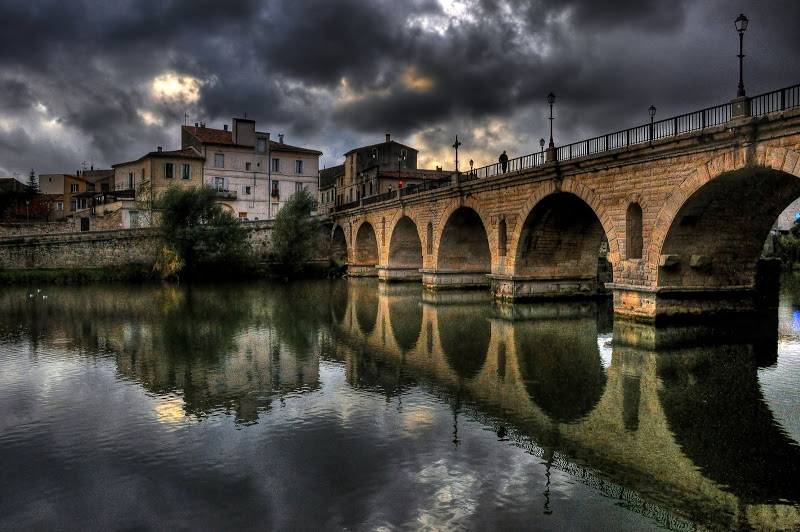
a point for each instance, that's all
(247, 166)
(134, 219)
(275, 192)
(130, 179)
(298, 167)
(73, 205)
(374, 153)
(242, 215)
(169, 170)
(60, 206)
(186, 171)
(245, 191)
(298, 187)
(73, 188)
(221, 184)
(262, 145)
(276, 165)
(219, 160)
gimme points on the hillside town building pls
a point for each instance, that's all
(254, 176)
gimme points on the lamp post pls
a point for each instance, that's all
(456, 144)
(652, 112)
(471, 162)
(551, 99)
(741, 26)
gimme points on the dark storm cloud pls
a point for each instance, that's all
(324, 72)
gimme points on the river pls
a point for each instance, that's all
(354, 405)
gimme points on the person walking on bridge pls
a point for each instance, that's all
(503, 161)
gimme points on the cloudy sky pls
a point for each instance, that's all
(105, 82)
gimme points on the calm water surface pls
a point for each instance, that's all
(353, 405)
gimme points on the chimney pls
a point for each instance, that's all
(159, 149)
(225, 127)
(202, 125)
(280, 138)
(195, 128)
(388, 137)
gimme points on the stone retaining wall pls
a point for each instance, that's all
(96, 249)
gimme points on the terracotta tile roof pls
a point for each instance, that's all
(327, 176)
(186, 152)
(277, 146)
(379, 144)
(208, 135)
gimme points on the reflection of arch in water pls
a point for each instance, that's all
(405, 312)
(464, 334)
(338, 300)
(714, 407)
(561, 366)
(365, 295)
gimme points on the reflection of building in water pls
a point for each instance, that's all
(231, 354)
(687, 426)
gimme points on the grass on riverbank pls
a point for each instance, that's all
(126, 273)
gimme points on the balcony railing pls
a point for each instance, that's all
(771, 102)
(226, 194)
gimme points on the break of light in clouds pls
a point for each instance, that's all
(111, 84)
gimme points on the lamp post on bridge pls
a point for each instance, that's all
(740, 106)
(741, 26)
(652, 112)
(551, 99)
(471, 162)
(455, 146)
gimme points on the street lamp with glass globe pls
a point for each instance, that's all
(741, 26)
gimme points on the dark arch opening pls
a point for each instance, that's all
(365, 251)
(717, 236)
(429, 237)
(464, 244)
(502, 238)
(339, 245)
(561, 366)
(464, 333)
(633, 231)
(405, 248)
(561, 232)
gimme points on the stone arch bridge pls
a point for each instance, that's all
(681, 209)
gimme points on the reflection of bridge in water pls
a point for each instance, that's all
(687, 429)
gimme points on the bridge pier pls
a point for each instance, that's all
(512, 287)
(362, 270)
(439, 279)
(392, 274)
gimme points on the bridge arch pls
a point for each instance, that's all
(464, 242)
(338, 245)
(405, 246)
(559, 237)
(568, 186)
(703, 239)
(365, 249)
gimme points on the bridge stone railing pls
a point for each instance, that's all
(780, 100)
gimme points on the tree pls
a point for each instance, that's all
(295, 235)
(196, 228)
(31, 186)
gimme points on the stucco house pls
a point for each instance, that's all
(253, 175)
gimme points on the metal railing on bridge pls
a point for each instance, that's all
(770, 102)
